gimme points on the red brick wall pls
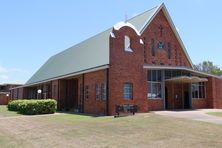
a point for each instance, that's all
(218, 91)
(155, 104)
(55, 88)
(80, 93)
(62, 97)
(91, 105)
(210, 87)
(4, 99)
(19, 93)
(213, 93)
(199, 103)
(126, 67)
(153, 32)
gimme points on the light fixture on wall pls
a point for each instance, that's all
(39, 91)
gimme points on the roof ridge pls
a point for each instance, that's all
(143, 12)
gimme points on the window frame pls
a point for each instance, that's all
(98, 92)
(127, 44)
(201, 86)
(103, 91)
(129, 92)
(154, 80)
(86, 92)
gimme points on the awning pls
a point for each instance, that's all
(187, 79)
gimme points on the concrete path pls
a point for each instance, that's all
(199, 115)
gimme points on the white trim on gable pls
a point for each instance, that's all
(119, 25)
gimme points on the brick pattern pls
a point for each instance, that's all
(55, 88)
(4, 99)
(178, 57)
(199, 103)
(210, 87)
(92, 105)
(126, 67)
(218, 91)
(155, 104)
(214, 95)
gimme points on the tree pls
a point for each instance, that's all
(208, 67)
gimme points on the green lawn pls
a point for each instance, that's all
(215, 114)
(141, 130)
(5, 113)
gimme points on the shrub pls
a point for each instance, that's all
(33, 107)
(14, 105)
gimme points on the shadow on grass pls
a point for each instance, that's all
(180, 110)
(81, 114)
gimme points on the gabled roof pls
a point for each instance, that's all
(91, 53)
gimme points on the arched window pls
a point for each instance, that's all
(127, 44)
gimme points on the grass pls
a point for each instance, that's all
(219, 114)
(72, 130)
(5, 113)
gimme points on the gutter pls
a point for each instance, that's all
(65, 76)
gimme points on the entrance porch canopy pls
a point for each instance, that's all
(192, 71)
(186, 79)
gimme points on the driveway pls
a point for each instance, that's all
(199, 115)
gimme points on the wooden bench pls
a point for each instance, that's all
(126, 109)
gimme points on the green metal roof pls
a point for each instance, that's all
(91, 53)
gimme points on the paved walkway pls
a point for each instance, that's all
(199, 115)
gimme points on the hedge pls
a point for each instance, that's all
(14, 105)
(33, 106)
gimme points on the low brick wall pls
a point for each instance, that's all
(3, 99)
(154, 105)
(199, 103)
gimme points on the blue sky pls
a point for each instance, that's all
(32, 31)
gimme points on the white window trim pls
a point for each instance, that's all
(205, 91)
(159, 82)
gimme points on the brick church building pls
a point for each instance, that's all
(141, 61)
